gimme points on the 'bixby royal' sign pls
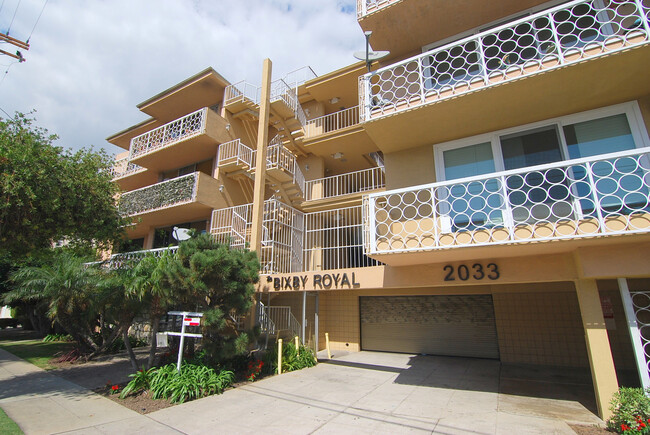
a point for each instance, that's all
(319, 282)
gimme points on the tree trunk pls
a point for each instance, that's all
(129, 349)
(107, 342)
(155, 323)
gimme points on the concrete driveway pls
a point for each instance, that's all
(372, 392)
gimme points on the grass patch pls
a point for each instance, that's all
(36, 352)
(7, 425)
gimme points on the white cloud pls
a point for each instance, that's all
(91, 62)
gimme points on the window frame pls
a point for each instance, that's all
(630, 109)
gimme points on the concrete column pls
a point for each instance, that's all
(603, 373)
(148, 239)
(260, 162)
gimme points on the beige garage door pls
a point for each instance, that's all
(435, 325)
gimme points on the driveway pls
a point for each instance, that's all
(373, 392)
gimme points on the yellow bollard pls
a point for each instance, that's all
(295, 339)
(327, 345)
(279, 356)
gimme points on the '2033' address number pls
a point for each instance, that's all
(477, 272)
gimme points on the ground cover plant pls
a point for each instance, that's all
(292, 358)
(631, 412)
(192, 382)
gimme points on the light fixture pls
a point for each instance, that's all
(227, 127)
(337, 155)
(306, 167)
(334, 100)
(221, 188)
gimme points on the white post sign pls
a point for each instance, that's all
(189, 319)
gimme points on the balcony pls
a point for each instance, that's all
(332, 122)
(606, 47)
(129, 259)
(345, 184)
(293, 241)
(130, 176)
(365, 7)
(183, 199)
(606, 195)
(192, 138)
(235, 156)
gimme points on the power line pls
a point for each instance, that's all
(14, 17)
(37, 20)
(3, 110)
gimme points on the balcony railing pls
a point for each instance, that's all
(293, 241)
(241, 91)
(547, 40)
(161, 195)
(365, 7)
(345, 184)
(590, 197)
(169, 134)
(122, 168)
(130, 259)
(332, 122)
(235, 153)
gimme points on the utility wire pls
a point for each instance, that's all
(5, 75)
(14, 17)
(3, 110)
(37, 20)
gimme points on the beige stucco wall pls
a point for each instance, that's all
(410, 168)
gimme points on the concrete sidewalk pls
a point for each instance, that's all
(365, 392)
(41, 403)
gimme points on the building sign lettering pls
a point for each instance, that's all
(325, 281)
(477, 272)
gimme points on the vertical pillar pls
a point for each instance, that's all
(316, 332)
(601, 362)
(260, 161)
(149, 238)
(635, 334)
(304, 316)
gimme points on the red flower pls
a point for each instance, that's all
(625, 427)
(115, 387)
(641, 424)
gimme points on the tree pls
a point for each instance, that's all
(218, 280)
(48, 194)
(67, 288)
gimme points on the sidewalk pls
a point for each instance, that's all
(41, 403)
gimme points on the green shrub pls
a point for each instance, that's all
(192, 382)
(292, 359)
(631, 411)
(118, 344)
(139, 382)
(51, 338)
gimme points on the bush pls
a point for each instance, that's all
(292, 359)
(192, 382)
(631, 411)
(140, 381)
(118, 344)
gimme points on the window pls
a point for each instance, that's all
(546, 194)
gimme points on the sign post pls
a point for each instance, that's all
(189, 319)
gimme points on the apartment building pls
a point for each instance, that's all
(483, 191)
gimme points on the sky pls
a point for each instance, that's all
(91, 62)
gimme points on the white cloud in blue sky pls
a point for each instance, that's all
(91, 62)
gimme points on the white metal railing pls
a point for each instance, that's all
(241, 91)
(129, 259)
(279, 157)
(169, 134)
(282, 233)
(283, 320)
(546, 40)
(123, 167)
(345, 184)
(364, 7)
(333, 240)
(266, 324)
(588, 197)
(332, 122)
(299, 76)
(235, 152)
(161, 195)
(293, 241)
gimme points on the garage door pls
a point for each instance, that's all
(435, 325)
